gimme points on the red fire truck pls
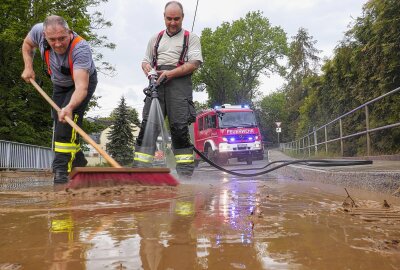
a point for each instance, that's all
(228, 131)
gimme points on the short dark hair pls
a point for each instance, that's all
(176, 3)
(53, 20)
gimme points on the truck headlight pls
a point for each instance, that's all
(223, 147)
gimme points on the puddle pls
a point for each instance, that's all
(262, 223)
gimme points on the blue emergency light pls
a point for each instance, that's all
(240, 138)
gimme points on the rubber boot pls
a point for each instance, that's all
(60, 177)
(185, 171)
(80, 160)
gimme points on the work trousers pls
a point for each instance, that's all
(68, 153)
(176, 101)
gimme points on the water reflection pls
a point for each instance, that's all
(198, 229)
(107, 251)
(236, 225)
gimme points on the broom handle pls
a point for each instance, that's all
(77, 128)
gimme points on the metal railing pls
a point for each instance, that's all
(15, 155)
(309, 144)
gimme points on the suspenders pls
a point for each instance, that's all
(183, 53)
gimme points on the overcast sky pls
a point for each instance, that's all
(134, 22)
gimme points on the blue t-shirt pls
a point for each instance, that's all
(81, 57)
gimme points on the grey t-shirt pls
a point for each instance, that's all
(81, 57)
(170, 49)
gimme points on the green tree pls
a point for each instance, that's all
(236, 54)
(121, 141)
(272, 108)
(311, 112)
(303, 62)
(366, 64)
(25, 115)
(303, 56)
(133, 115)
(200, 106)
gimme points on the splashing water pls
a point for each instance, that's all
(156, 134)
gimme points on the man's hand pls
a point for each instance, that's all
(66, 111)
(28, 74)
(146, 67)
(163, 76)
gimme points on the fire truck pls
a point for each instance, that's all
(228, 131)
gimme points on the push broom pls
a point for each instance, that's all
(109, 176)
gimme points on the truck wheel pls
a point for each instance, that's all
(210, 154)
(249, 161)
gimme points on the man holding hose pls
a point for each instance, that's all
(72, 71)
(175, 54)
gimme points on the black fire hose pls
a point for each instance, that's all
(308, 162)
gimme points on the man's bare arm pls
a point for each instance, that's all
(28, 51)
(81, 79)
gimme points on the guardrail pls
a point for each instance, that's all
(310, 145)
(15, 155)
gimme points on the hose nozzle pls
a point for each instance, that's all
(152, 89)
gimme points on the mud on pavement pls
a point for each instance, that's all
(211, 222)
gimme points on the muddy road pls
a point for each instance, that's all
(214, 221)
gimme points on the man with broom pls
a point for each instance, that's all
(175, 54)
(72, 71)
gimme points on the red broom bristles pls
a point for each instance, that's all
(89, 177)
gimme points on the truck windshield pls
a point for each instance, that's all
(237, 119)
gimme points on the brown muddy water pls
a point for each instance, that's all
(211, 222)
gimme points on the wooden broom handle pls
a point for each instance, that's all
(77, 128)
